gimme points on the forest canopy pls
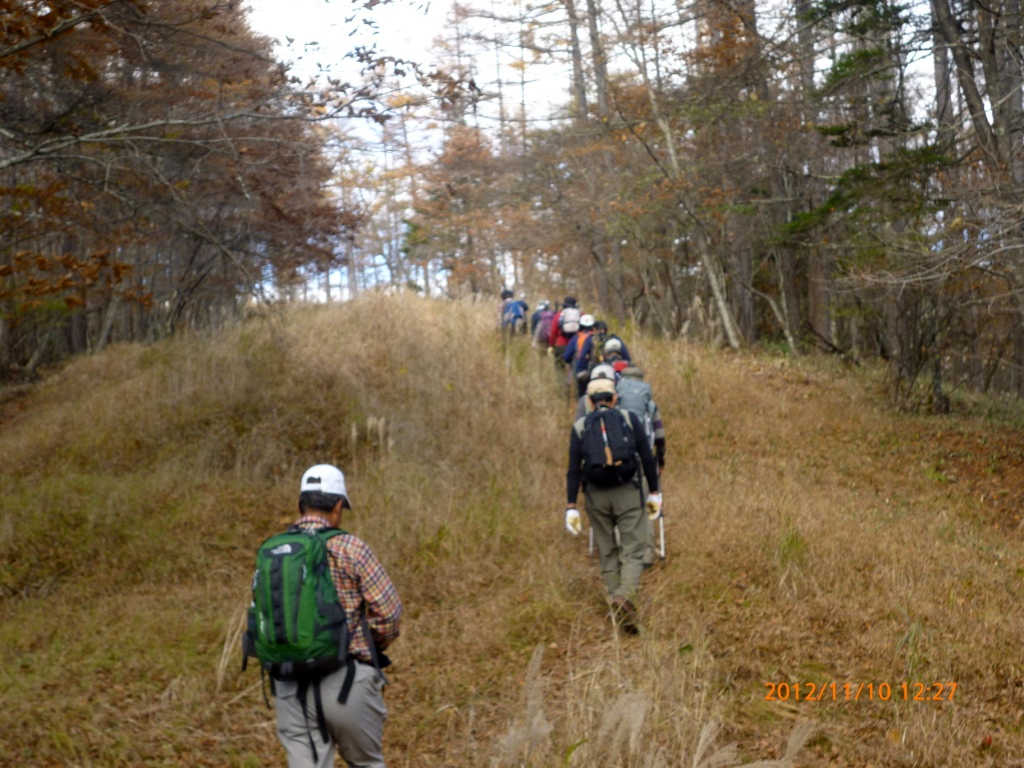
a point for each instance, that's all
(840, 178)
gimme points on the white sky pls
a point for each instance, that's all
(403, 30)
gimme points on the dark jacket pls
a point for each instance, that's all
(587, 350)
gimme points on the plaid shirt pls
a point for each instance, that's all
(360, 579)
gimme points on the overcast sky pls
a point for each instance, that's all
(403, 30)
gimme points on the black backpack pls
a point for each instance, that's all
(609, 450)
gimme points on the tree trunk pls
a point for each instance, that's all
(579, 84)
(948, 27)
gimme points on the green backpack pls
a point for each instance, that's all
(297, 628)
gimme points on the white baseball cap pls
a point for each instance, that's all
(325, 478)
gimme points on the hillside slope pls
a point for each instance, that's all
(813, 537)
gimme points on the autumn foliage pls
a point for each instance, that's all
(155, 172)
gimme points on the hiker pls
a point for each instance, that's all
(564, 326)
(599, 347)
(513, 316)
(540, 324)
(310, 726)
(506, 297)
(634, 394)
(608, 452)
(542, 321)
(572, 353)
(602, 371)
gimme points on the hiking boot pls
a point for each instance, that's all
(624, 615)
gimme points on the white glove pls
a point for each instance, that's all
(653, 506)
(572, 521)
(551, 351)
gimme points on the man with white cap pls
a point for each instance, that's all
(373, 613)
(608, 448)
(603, 371)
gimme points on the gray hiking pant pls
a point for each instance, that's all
(356, 727)
(622, 562)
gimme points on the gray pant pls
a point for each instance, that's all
(622, 562)
(356, 727)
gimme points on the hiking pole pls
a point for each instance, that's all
(590, 544)
(661, 521)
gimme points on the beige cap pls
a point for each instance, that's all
(599, 386)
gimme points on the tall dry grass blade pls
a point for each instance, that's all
(232, 642)
(723, 757)
(622, 724)
(798, 737)
(528, 739)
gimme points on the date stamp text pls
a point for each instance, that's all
(868, 691)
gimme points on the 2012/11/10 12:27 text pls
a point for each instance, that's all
(905, 691)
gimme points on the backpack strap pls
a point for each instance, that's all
(373, 648)
(627, 415)
(321, 723)
(350, 678)
(351, 662)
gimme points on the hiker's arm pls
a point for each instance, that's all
(583, 362)
(575, 474)
(383, 606)
(659, 435)
(643, 447)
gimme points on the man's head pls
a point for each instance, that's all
(601, 392)
(612, 349)
(602, 371)
(630, 371)
(586, 322)
(322, 489)
(570, 301)
(600, 326)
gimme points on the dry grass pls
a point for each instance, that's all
(813, 537)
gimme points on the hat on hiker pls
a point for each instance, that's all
(603, 371)
(325, 478)
(600, 387)
(570, 301)
(629, 370)
(613, 346)
(587, 321)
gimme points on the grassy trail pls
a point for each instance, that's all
(814, 538)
